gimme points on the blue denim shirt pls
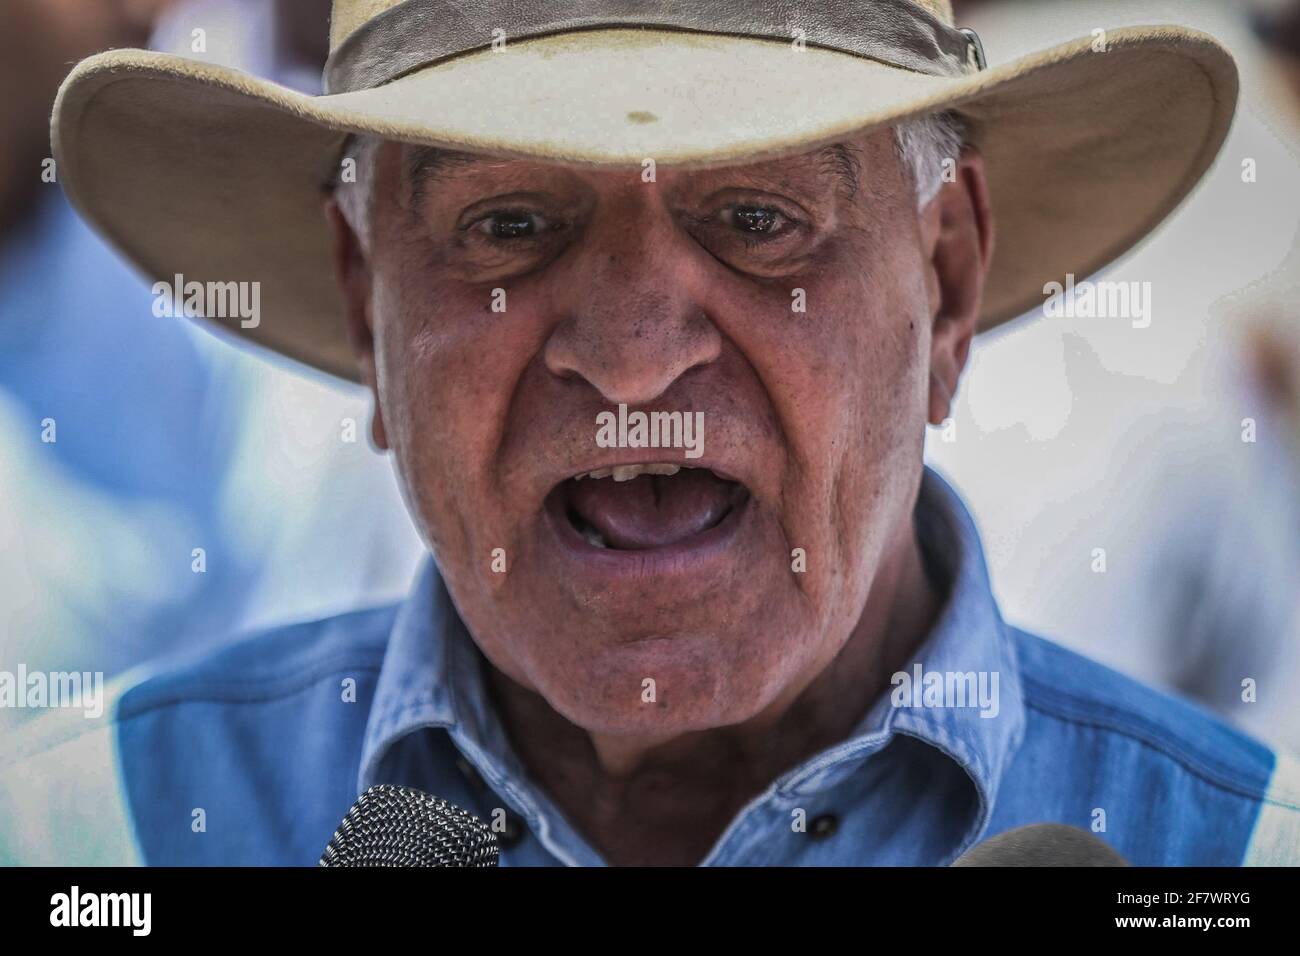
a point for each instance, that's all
(252, 755)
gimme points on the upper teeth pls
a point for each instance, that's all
(628, 472)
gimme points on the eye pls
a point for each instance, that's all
(511, 224)
(755, 221)
(753, 231)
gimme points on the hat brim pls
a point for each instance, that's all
(216, 175)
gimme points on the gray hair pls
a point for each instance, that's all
(924, 144)
(354, 196)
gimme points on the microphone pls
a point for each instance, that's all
(402, 826)
(1042, 844)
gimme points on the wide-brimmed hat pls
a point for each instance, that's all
(215, 175)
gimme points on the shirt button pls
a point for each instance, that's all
(470, 773)
(823, 826)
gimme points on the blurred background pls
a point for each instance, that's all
(1138, 488)
(192, 491)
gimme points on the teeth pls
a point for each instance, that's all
(628, 472)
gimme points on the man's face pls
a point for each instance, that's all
(512, 302)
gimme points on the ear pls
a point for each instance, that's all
(958, 228)
(352, 272)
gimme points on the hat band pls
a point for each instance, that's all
(419, 33)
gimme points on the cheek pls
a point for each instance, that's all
(451, 358)
(871, 433)
(841, 354)
(847, 379)
(876, 425)
(438, 390)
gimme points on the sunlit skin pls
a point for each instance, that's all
(674, 294)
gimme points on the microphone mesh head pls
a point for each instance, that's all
(401, 826)
(1042, 844)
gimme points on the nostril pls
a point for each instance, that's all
(631, 359)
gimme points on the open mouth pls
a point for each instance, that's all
(641, 507)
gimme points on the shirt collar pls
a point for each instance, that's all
(431, 677)
(969, 637)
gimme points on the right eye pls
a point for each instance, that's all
(512, 224)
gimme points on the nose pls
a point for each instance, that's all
(634, 322)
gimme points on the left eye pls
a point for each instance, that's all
(754, 220)
(512, 224)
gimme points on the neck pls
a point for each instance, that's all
(666, 801)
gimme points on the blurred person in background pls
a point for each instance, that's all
(1145, 508)
(130, 441)
(1271, 314)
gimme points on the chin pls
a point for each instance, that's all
(700, 681)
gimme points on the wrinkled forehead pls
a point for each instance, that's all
(840, 166)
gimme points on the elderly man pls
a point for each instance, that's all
(655, 304)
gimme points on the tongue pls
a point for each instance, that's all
(651, 511)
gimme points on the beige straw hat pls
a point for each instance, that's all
(210, 173)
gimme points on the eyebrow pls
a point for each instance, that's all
(426, 163)
(841, 159)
